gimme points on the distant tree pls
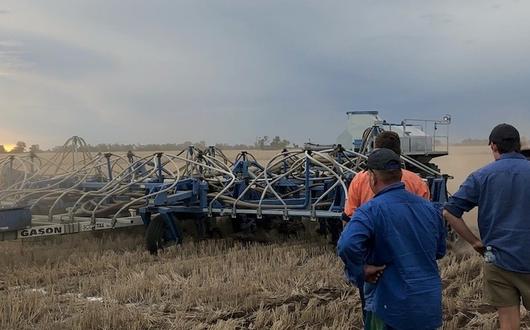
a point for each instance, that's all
(2, 149)
(278, 143)
(261, 142)
(19, 148)
(226, 146)
(34, 148)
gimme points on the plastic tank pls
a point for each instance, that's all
(358, 122)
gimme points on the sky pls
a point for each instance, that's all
(228, 71)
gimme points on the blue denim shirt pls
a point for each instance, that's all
(501, 190)
(407, 234)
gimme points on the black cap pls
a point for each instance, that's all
(383, 159)
(504, 132)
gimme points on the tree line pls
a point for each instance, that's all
(261, 143)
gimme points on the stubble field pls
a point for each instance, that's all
(107, 281)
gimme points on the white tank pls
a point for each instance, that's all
(358, 121)
(415, 139)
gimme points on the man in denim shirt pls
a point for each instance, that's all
(501, 190)
(393, 241)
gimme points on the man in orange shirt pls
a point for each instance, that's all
(359, 191)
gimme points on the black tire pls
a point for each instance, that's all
(154, 235)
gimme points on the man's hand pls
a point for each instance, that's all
(373, 273)
(479, 247)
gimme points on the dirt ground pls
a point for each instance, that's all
(107, 281)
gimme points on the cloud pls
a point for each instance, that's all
(230, 71)
(49, 57)
(9, 56)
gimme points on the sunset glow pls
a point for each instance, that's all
(9, 147)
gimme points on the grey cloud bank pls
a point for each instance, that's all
(163, 71)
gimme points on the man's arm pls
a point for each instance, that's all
(352, 200)
(463, 230)
(352, 244)
(465, 199)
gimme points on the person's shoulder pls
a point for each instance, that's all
(369, 206)
(414, 197)
(360, 181)
(520, 163)
(415, 184)
(411, 196)
(361, 176)
(416, 201)
(362, 213)
(493, 167)
(488, 167)
(411, 176)
(383, 200)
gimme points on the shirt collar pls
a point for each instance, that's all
(512, 155)
(393, 186)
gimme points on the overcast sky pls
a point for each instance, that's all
(228, 71)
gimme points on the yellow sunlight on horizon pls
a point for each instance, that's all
(9, 147)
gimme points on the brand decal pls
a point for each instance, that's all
(41, 231)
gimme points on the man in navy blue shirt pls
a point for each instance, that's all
(393, 241)
(501, 190)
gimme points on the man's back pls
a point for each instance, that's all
(407, 234)
(359, 191)
(502, 192)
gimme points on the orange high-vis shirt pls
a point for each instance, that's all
(360, 192)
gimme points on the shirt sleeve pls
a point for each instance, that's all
(352, 245)
(353, 201)
(466, 198)
(423, 190)
(441, 242)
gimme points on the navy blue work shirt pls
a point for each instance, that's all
(501, 190)
(407, 234)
